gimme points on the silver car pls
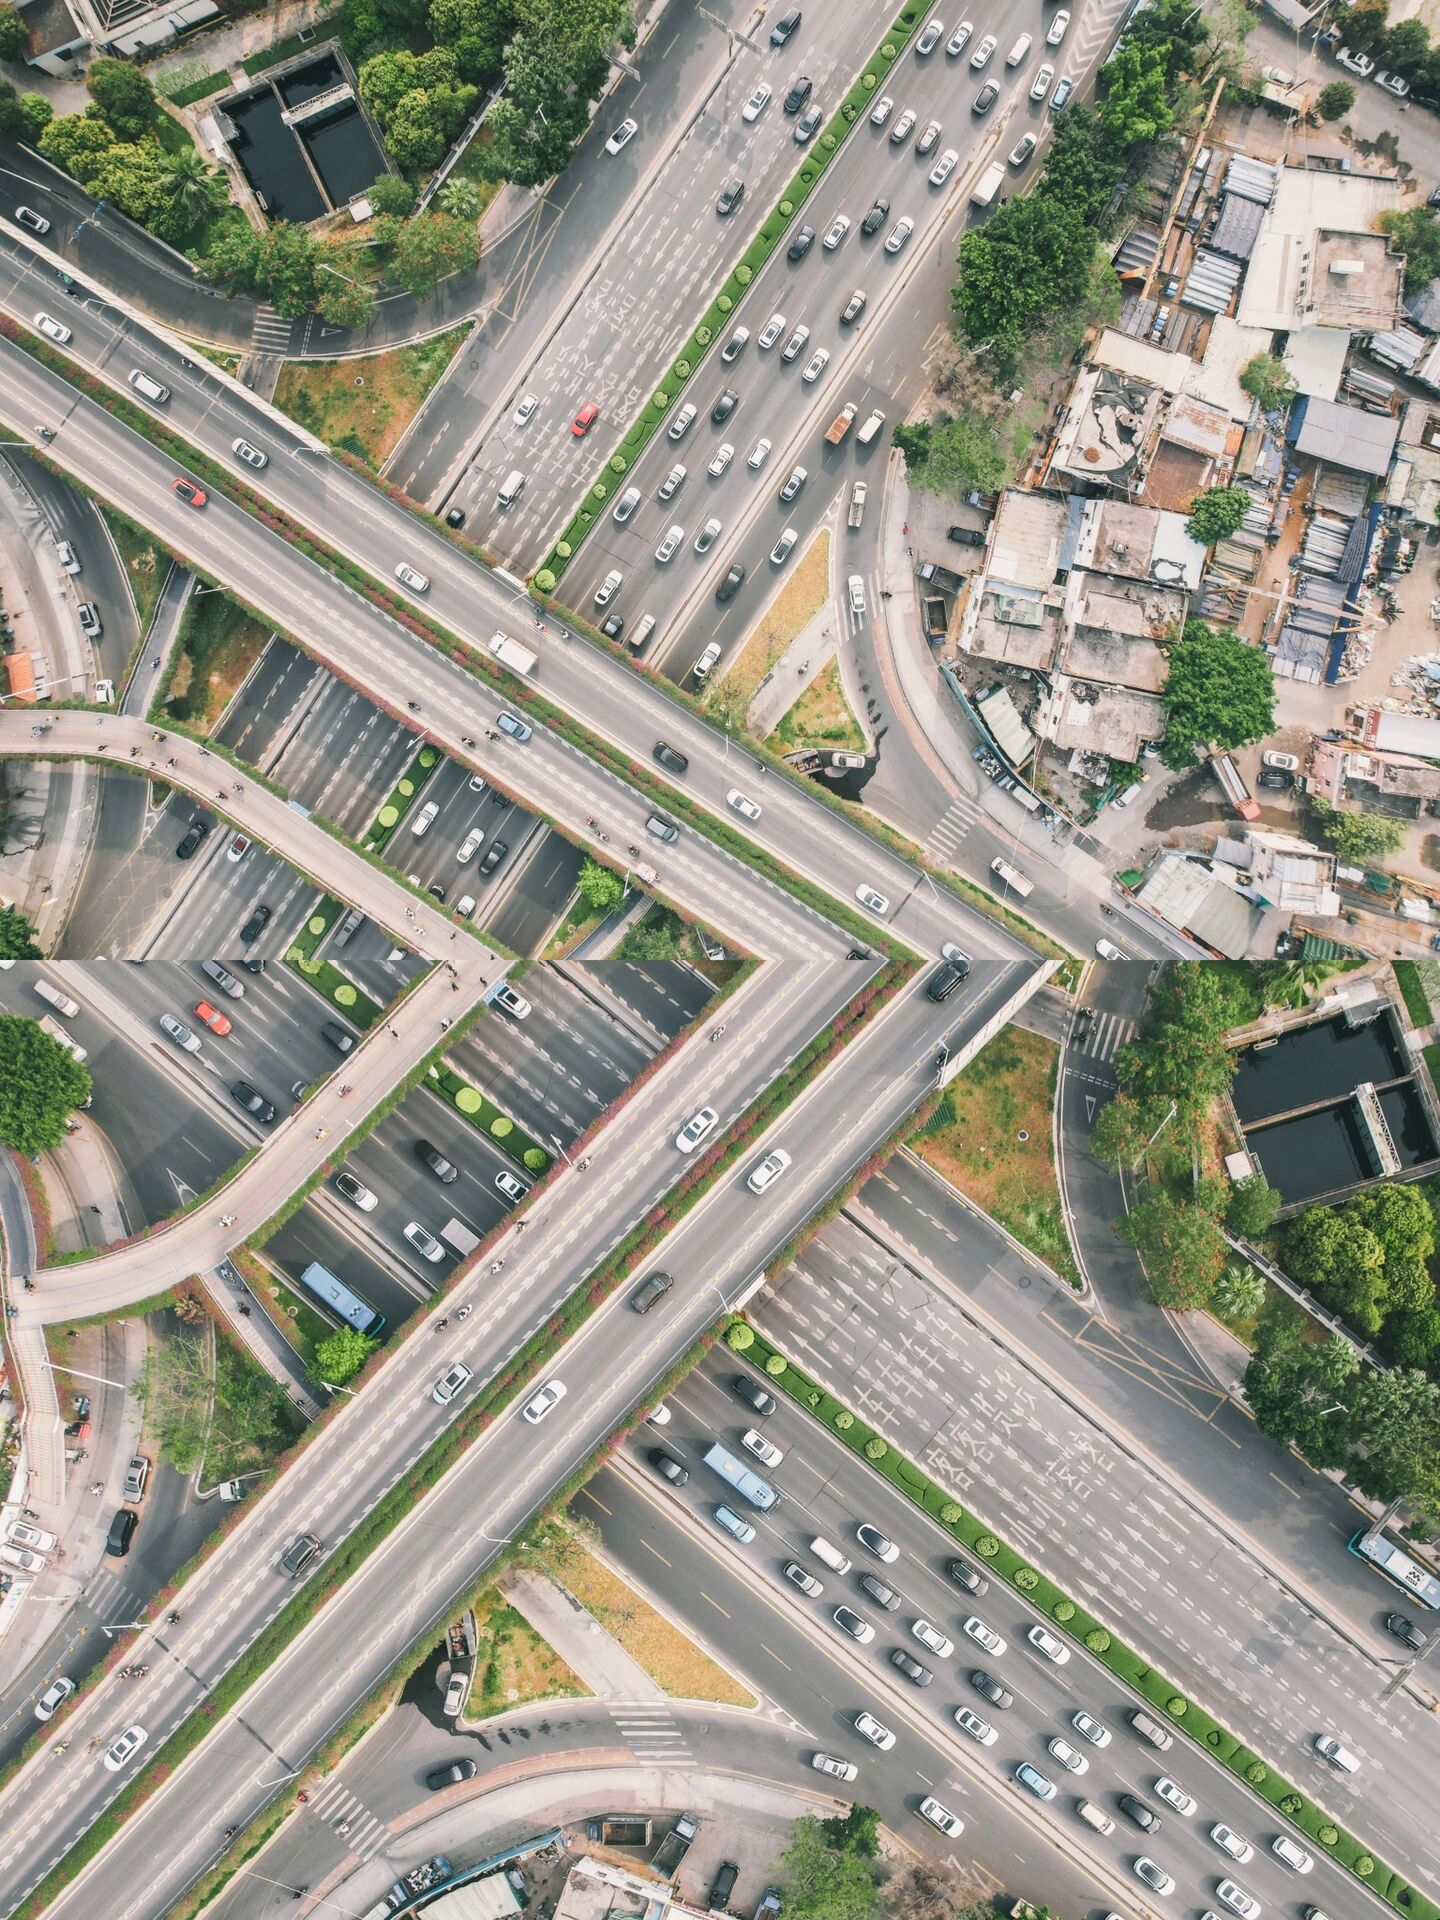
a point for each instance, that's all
(670, 545)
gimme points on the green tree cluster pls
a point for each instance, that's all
(1217, 513)
(1416, 234)
(1336, 100)
(419, 102)
(1030, 260)
(1252, 1208)
(1358, 837)
(1219, 689)
(23, 116)
(17, 936)
(1368, 1261)
(123, 95)
(555, 64)
(14, 34)
(167, 193)
(209, 1404)
(953, 457)
(825, 1872)
(341, 1355)
(600, 889)
(41, 1084)
(1180, 1242)
(1266, 379)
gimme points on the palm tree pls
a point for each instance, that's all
(198, 190)
(460, 199)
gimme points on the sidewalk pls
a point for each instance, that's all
(577, 1636)
(811, 650)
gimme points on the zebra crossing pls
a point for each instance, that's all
(942, 842)
(270, 334)
(110, 1600)
(1106, 1033)
(649, 1729)
(347, 1815)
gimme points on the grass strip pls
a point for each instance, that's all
(482, 1113)
(1153, 1686)
(200, 89)
(1412, 992)
(403, 795)
(281, 50)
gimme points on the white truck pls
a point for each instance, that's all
(1013, 878)
(988, 185)
(857, 503)
(511, 654)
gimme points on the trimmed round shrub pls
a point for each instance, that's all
(704, 336)
(405, 788)
(1098, 1640)
(682, 371)
(739, 1337)
(660, 398)
(563, 551)
(428, 756)
(775, 1365)
(812, 1398)
(1327, 1835)
(500, 1126)
(1364, 1866)
(725, 303)
(345, 994)
(1257, 1773)
(950, 1513)
(744, 275)
(1027, 1579)
(545, 580)
(787, 207)
(1290, 1805)
(388, 816)
(844, 1421)
(876, 1448)
(536, 1159)
(599, 490)
(987, 1546)
(316, 924)
(618, 463)
(467, 1099)
(1177, 1706)
(827, 140)
(1063, 1610)
(887, 52)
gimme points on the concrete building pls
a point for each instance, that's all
(1399, 785)
(62, 32)
(1319, 260)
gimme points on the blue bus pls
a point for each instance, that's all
(331, 1292)
(748, 1485)
(1397, 1565)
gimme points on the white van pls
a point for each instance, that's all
(424, 820)
(61, 1002)
(1341, 1758)
(871, 427)
(511, 489)
(641, 631)
(147, 388)
(829, 1556)
(1094, 1816)
(1018, 52)
(1012, 877)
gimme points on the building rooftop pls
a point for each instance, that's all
(1347, 436)
(1198, 900)
(1197, 424)
(1109, 420)
(1015, 625)
(1027, 538)
(1113, 629)
(1291, 873)
(1115, 721)
(1317, 223)
(52, 26)
(1138, 543)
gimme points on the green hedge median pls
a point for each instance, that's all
(1072, 1619)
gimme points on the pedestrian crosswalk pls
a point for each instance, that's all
(944, 838)
(346, 1815)
(110, 1600)
(649, 1730)
(270, 334)
(1105, 1033)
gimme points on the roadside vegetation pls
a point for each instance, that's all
(208, 1403)
(514, 1665)
(364, 406)
(145, 561)
(821, 717)
(219, 643)
(805, 592)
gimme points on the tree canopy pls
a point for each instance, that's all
(1220, 688)
(41, 1084)
(1298, 1391)
(1252, 1207)
(207, 1401)
(1217, 513)
(341, 1355)
(1030, 258)
(17, 936)
(1358, 836)
(1335, 100)
(123, 95)
(601, 890)
(1416, 233)
(823, 1881)
(953, 457)
(1181, 1245)
(14, 34)
(1266, 379)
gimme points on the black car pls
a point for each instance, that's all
(1275, 778)
(732, 583)
(1144, 1817)
(724, 406)
(671, 758)
(194, 834)
(754, 1396)
(337, 1036)
(450, 1776)
(436, 891)
(910, 1667)
(967, 1577)
(252, 1101)
(649, 1291)
(456, 518)
(947, 979)
(799, 93)
(255, 925)
(966, 536)
(668, 1467)
(801, 244)
(1405, 1630)
(723, 1885)
(494, 854)
(986, 97)
(997, 1695)
(730, 197)
(784, 27)
(882, 1595)
(432, 1158)
(876, 218)
(122, 1529)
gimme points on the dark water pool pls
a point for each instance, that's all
(343, 152)
(1322, 1062)
(1318, 1153)
(269, 155)
(310, 81)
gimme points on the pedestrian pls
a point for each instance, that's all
(320, 1132)
(302, 1796)
(134, 753)
(454, 986)
(444, 1024)
(453, 933)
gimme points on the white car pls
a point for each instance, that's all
(1058, 28)
(525, 411)
(930, 38)
(683, 421)
(53, 1698)
(622, 136)
(1291, 1854)
(756, 104)
(1091, 1729)
(52, 329)
(880, 1544)
(456, 1694)
(1282, 762)
(422, 824)
(855, 592)
(983, 1636)
(66, 555)
(1238, 1900)
(1154, 1875)
(836, 232)
(608, 587)
(899, 234)
(21, 1534)
(783, 547)
(513, 1003)
(868, 897)
(1392, 83)
(450, 1383)
(950, 1824)
(1235, 1844)
(1043, 81)
(696, 1128)
(424, 1243)
(764, 1450)
(184, 1038)
(1108, 950)
(759, 454)
(977, 1728)
(957, 41)
(356, 1191)
(252, 456)
(940, 1644)
(1068, 1758)
(767, 1171)
(882, 110)
(724, 454)
(1174, 1795)
(943, 167)
(875, 1731)
(1359, 63)
(735, 346)
(707, 536)
(471, 845)
(816, 364)
(626, 505)
(238, 847)
(747, 808)
(408, 577)
(903, 127)
(981, 56)
(1023, 148)
(1045, 1642)
(21, 1557)
(771, 331)
(544, 1400)
(837, 1769)
(670, 545)
(119, 1751)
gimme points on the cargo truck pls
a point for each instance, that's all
(941, 578)
(842, 423)
(857, 503)
(511, 654)
(988, 185)
(1012, 877)
(674, 1847)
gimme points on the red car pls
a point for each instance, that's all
(584, 419)
(189, 492)
(216, 1021)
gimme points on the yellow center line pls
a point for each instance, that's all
(598, 1502)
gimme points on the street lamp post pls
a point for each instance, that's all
(122, 1626)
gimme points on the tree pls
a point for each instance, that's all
(1265, 379)
(1174, 31)
(392, 194)
(1411, 1337)
(1341, 1261)
(1183, 1249)
(476, 32)
(234, 259)
(857, 1831)
(600, 889)
(36, 113)
(1136, 108)
(1336, 100)
(1416, 233)
(41, 1084)
(1299, 1392)
(1121, 1131)
(1080, 171)
(423, 125)
(14, 34)
(460, 198)
(1029, 260)
(647, 942)
(1220, 688)
(194, 192)
(1358, 837)
(1217, 513)
(12, 119)
(288, 255)
(1406, 48)
(340, 299)
(206, 1401)
(953, 457)
(1181, 1060)
(1395, 1419)
(341, 1355)
(17, 936)
(1252, 1207)
(1239, 1293)
(1365, 26)
(822, 1882)
(430, 249)
(123, 95)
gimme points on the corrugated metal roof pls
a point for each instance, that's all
(1251, 178)
(1238, 227)
(1210, 285)
(1424, 307)
(1347, 436)
(1400, 348)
